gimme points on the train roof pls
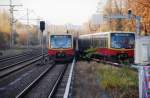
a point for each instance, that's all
(103, 33)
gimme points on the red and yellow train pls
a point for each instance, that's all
(113, 45)
(61, 47)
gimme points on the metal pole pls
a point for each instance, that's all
(12, 27)
(28, 28)
(140, 73)
(138, 28)
(42, 48)
(39, 33)
(11, 22)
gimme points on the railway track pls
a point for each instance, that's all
(5, 71)
(2, 59)
(64, 89)
(45, 85)
(108, 62)
(31, 52)
(35, 81)
(18, 57)
(17, 63)
(18, 60)
(115, 64)
(15, 82)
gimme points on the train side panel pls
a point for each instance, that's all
(109, 44)
(115, 53)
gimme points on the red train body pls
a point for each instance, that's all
(113, 52)
(61, 47)
(61, 54)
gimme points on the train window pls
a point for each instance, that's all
(92, 41)
(106, 42)
(103, 42)
(122, 40)
(61, 41)
(95, 42)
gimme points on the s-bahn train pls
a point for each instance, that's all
(61, 47)
(112, 45)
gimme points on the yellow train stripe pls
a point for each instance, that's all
(60, 49)
(120, 49)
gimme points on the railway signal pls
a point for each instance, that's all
(42, 28)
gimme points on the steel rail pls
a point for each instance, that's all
(12, 57)
(17, 56)
(3, 74)
(57, 82)
(27, 89)
(17, 63)
(116, 64)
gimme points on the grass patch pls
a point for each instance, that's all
(90, 50)
(88, 53)
(119, 82)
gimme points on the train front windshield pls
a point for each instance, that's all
(122, 40)
(61, 41)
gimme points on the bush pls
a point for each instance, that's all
(120, 82)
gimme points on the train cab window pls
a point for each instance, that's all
(61, 41)
(122, 40)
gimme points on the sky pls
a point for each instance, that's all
(60, 11)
